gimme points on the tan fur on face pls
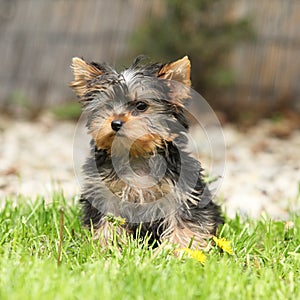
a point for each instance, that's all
(133, 135)
(146, 145)
(102, 133)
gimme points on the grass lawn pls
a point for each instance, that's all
(265, 263)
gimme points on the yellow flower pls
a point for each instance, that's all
(223, 244)
(116, 221)
(195, 254)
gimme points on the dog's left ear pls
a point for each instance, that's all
(179, 70)
(83, 73)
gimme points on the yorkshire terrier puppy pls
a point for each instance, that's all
(139, 168)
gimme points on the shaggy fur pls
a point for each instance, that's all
(139, 168)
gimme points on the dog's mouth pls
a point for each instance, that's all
(120, 144)
(127, 142)
(120, 135)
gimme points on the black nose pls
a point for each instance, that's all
(116, 124)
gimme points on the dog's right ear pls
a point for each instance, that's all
(83, 73)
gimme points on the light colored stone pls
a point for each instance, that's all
(262, 172)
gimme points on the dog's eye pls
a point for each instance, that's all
(141, 106)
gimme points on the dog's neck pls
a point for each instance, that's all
(141, 171)
(145, 180)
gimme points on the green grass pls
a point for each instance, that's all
(265, 263)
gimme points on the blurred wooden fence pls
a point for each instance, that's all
(268, 70)
(39, 38)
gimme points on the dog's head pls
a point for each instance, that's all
(138, 108)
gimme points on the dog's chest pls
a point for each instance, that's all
(140, 181)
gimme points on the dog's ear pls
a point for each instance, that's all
(179, 70)
(83, 73)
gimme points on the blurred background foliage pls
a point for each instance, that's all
(245, 54)
(203, 30)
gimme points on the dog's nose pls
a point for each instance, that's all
(116, 124)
